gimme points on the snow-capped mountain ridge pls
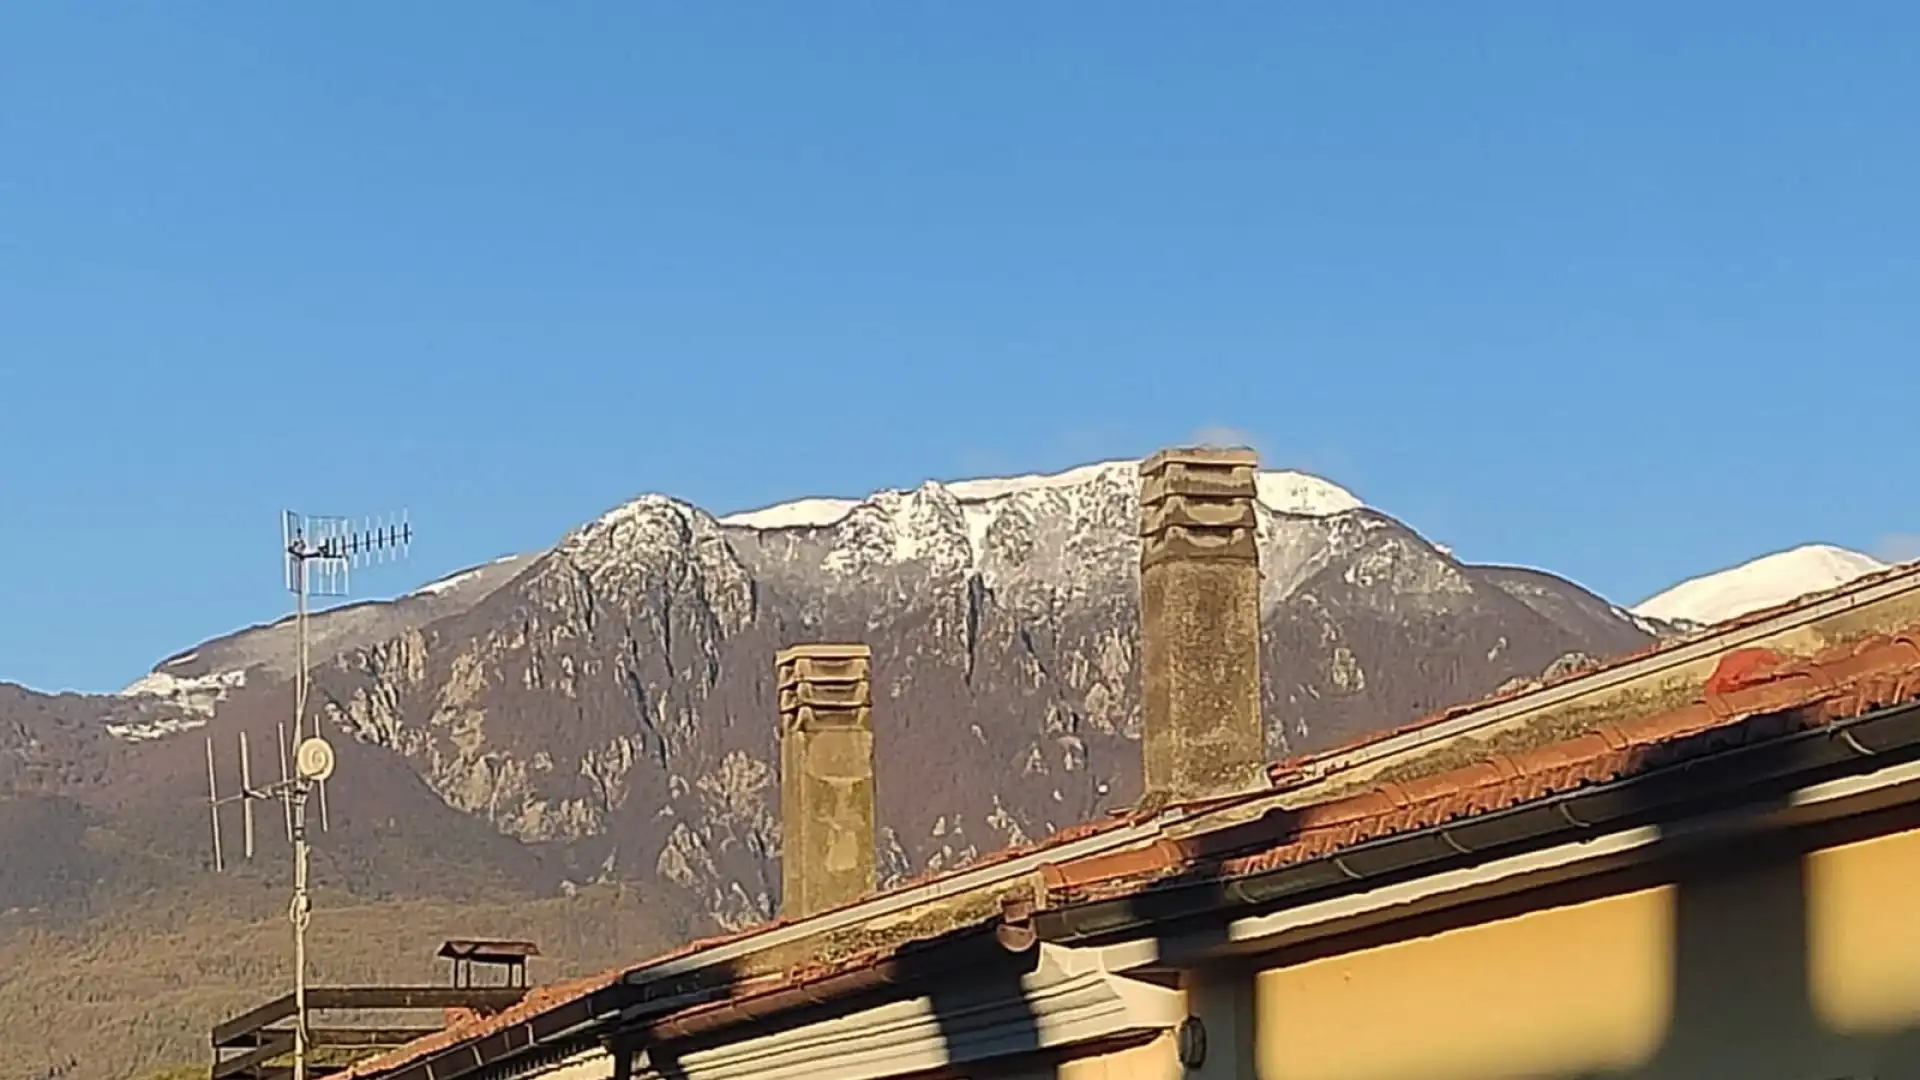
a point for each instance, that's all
(1281, 490)
(623, 670)
(1760, 583)
(1053, 532)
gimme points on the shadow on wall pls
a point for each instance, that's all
(973, 986)
(1743, 968)
(1782, 961)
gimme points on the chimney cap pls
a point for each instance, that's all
(1210, 475)
(1204, 456)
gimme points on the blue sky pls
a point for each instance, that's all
(1622, 290)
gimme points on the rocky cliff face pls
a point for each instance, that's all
(590, 729)
(613, 698)
(602, 712)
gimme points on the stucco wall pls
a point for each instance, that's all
(1799, 968)
(1755, 964)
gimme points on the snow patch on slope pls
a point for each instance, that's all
(193, 699)
(446, 584)
(462, 578)
(150, 729)
(1762, 583)
(209, 688)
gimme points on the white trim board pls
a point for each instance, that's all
(1054, 1009)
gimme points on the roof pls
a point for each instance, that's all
(1902, 581)
(1842, 684)
(487, 951)
(538, 1000)
(1858, 671)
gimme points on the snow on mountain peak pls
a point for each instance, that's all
(1761, 583)
(1283, 491)
(1303, 494)
(798, 514)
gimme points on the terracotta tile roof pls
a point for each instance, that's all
(1747, 683)
(554, 995)
(538, 1000)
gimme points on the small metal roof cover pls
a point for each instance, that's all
(488, 952)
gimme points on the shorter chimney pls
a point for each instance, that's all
(826, 777)
(1200, 626)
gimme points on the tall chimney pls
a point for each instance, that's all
(1200, 625)
(826, 777)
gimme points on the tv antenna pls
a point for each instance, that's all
(321, 554)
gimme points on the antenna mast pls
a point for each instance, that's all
(320, 552)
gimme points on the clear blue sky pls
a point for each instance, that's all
(1628, 291)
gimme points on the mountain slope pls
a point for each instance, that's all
(613, 697)
(599, 715)
(1762, 583)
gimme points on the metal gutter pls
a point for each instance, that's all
(560, 1028)
(1044, 1011)
(939, 888)
(1707, 645)
(704, 1020)
(1809, 804)
(1738, 777)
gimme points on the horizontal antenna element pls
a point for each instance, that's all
(321, 551)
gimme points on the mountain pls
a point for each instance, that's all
(599, 715)
(606, 703)
(1761, 583)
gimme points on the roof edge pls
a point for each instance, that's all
(1466, 719)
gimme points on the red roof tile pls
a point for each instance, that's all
(1840, 684)
(555, 995)
(538, 1000)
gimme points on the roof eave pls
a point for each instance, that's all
(1741, 776)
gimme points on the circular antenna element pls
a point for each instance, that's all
(313, 760)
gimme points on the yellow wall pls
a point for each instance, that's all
(1587, 987)
(1801, 969)
(1152, 1061)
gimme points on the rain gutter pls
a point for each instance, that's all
(1773, 775)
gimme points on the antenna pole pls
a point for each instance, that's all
(246, 793)
(280, 734)
(213, 807)
(333, 546)
(300, 629)
(301, 913)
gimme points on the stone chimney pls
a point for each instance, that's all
(1200, 626)
(826, 777)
